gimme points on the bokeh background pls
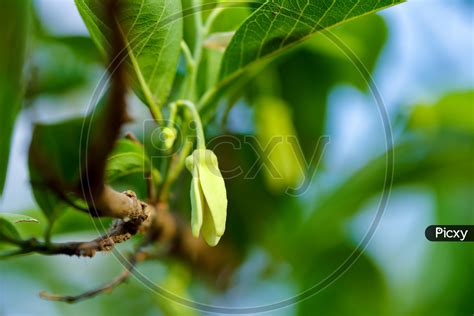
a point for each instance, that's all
(421, 55)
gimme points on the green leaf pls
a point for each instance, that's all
(53, 75)
(18, 218)
(128, 157)
(7, 225)
(58, 155)
(153, 31)
(8, 231)
(54, 154)
(58, 147)
(278, 25)
(273, 124)
(288, 22)
(14, 18)
(308, 97)
(453, 112)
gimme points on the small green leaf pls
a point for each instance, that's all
(8, 231)
(153, 31)
(7, 225)
(14, 18)
(18, 218)
(127, 158)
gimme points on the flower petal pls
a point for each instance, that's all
(197, 199)
(209, 228)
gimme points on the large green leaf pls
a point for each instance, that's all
(14, 17)
(153, 31)
(53, 75)
(309, 74)
(54, 157)
(278, 25)
(59, 155)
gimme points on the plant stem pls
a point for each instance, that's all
(201, 140)
(189, 93)
(211, 18)
(48, 231)
(201, 144)
(187, 55)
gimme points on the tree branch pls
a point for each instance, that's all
(106, 288)
(120, 231)
(133, 216)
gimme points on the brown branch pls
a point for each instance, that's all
(105, 200)
(115, 114)
(106, 288)
(157, 222)
(120, 231)
(104, 130)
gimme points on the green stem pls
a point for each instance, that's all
(172, 116)
(201, 140)
(187, 55)
(197, 52)
(48, 232)
(172, 174)
(211, 18)
(176, 170)
(189, 93)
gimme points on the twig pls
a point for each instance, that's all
(106, 288)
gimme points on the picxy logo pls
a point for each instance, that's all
(450, 233)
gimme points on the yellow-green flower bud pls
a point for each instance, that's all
(208, 196)
(168, 136)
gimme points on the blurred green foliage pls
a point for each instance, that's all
(14, 17)
(434, 150)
